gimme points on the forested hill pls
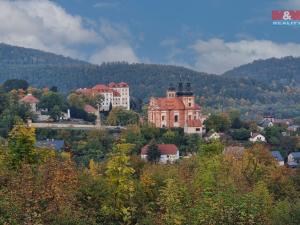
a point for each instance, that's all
(42, 69)
(27, 56)
(283, 72)
(45, 69)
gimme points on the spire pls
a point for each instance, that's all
(180, 85)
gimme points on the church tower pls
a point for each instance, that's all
(171, 92)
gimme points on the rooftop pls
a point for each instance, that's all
(165, 149)
(30, 99)
(277, 155)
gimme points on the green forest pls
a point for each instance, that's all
(253, 88)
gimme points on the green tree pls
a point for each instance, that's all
(217, 122)
(153, 153)
(55, 113)
(51, 100)
(213, 148)
(15, 84)
(122, 117)
(241, 134)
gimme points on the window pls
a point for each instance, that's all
(176, 119)
(190, 104)
(163, 118)
(190, 117)
(197, 129)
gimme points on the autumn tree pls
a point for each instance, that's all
(118, 208)
(21, 143)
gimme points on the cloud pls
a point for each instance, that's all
(217, 56)
(115, 53)
(291, 4)
(43, 25)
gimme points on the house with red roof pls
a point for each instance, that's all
(177, 109)
(31, 100)
(114, 95)
(169, 153)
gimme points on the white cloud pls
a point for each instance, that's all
(218, 56)
(44, 25)
(115, 53)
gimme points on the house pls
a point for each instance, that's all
(256, 137)
(32, 101)
(114, 95)
(90, 109)
(177, 109)
(169, 153)
(212, 135)
(294, 159)
(57, 145)
(265, 123)
(278, 157)
(293, 128)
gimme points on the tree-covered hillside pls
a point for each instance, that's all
(277, 72)
(250, 93)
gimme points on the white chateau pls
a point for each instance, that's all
(115, 95)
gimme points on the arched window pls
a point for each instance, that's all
(176, 119)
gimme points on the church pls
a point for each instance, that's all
(177, 109)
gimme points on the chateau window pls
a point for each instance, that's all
(176, 119)
(163, 118)
(190, 104)
(197, 129)
(190, 117)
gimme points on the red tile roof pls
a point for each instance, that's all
(117, 85)
(30, 99)
(89, 109)
(100, 86)
(165, 149)
(194, 123)
(169, 104)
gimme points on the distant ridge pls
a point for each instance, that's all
(253, 87)
(27, 56)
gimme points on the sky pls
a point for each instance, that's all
(210, 36)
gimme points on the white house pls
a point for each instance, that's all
(294, 159)
(256, 137)
(212, 135)
(169, 153)
(114, 95)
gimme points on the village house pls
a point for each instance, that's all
(32, 101)
(169, 153)
(177, 109)
(293, 128)
(114, 95)
(293, 159)
(278, 157)
(212, 135)
(256, 137)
